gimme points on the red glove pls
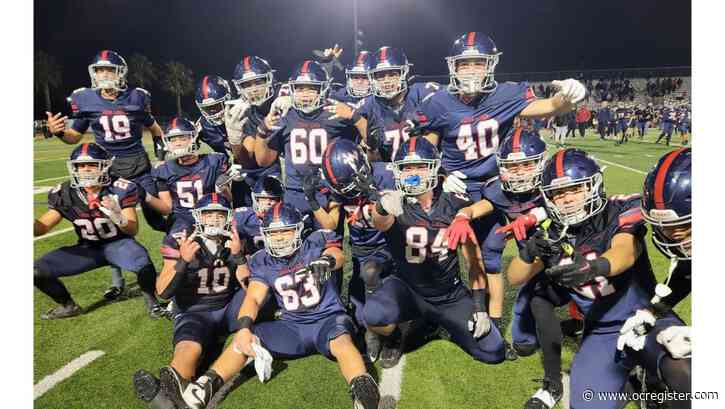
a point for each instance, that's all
(519, 226)
(460, 231)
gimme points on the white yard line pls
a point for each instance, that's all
(392, 380)
(612, 163)
(65, 372)
(50, 160)
(49, 179)
(566, 390)
(41, 189)
(54, 233)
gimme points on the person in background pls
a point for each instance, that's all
(583, 116)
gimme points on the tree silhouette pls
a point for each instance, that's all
(141, 71)
(179, 81)
(48, 75)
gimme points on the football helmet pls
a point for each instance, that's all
(573, 168)
(254, 80)
(520, 160)
(179, 126)
(210, 95)
(305, 74)
(89, 153)
(416, 151)
(342, 162)
(268, 187)
(361, 67)
(213, 226)
(389, 59)
(281, 230)
(112, 59)
(667, 202)
(473, 45)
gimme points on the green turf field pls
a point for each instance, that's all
(437, 375)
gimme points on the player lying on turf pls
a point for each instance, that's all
(593, 253)
(103, 213)
(313, 319)
(203, 270)
(420, 223)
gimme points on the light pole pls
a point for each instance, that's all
(354, 26)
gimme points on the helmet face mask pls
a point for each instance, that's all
(358, 83)
(213, 111)
(108, 76)
(308, 96)
(211, 93)
(520, 174)
(388, 82)
(179, 145)
(415, 176)
(572, 201)
(262, 202)
(472, 74)
(213, 220)
(83, 175)
(282, 240)
(256, 89)
(671, 234)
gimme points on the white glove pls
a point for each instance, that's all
(570, 89)
(479, 324)
(454, 183)
(634, 331)
(235, 173)
(198, 393)
(392, 202)
(281, 104)
(677, 341)
(112, 209)
(234, 111)
(262, 361)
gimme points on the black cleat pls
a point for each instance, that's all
(62, 311)
(572, 327)
(157, 311)
(364, 392)
(547, 396)
(113, 293)
(392, 349)
(372, 345)
(173, 385)
(511, 354)
(148, 390)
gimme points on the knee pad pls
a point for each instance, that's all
(370, 273)
(525, 349)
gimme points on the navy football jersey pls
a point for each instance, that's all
(381, 115)
(341, 94)
(118, 125)
(302, 139)
(211, 279)
(92, 225)
(187, 184)
(358, 212)
(511, 205)
(302, 300)
(213, 135)
(470, 134)
(668, 115)
(610, 301)
(419, 247)
(247, 223)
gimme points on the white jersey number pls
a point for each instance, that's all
(306, 147)
(417, 247)
(479, 141)
(288, 286)
(100, 227)
(116, 127)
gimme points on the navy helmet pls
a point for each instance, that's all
(573, 169)
(268, 187)
(309, 73)
(180, 127)
(416, 151)
(112, 59)
(211, 93)
(209, 226)
(342, 162)
(389, 59)
(254, 80)
(520, 160)
(667, 202)
(473, 46)
(359, 68)
(282, 218)
(89, 153)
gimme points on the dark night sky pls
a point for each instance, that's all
(210, 37)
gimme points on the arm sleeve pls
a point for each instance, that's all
(148, 117)
(127, 192)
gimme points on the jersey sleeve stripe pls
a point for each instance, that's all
(170, 253)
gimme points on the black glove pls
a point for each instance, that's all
(414, 126)
(366, 185)
(580, 271)
(310, 182)
(321, 268)
(374, 137)
(539, 246)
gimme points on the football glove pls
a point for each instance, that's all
(281, 105)
(539, 246)
(677, 341)
(234, 111)
(570, 90)
(454, 183)
(580, 271)
(413, 127)
(460, 231)
(480, 322)
(310, 183)
(634, 331)
(322, 267)
(522, 224)
(366, 185)
(391, 202)
(113, 210)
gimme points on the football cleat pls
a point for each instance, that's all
(112, 293)
(372, 345)
(511, 354)
(157, 311)
(198, 394)
(392, 349)
(547, 396)
(148, 389)
(173, 385)
(62, 311)
(364, 392)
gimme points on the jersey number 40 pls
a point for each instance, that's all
(478, 141)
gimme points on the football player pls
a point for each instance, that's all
(668, 117)
(302, 136)
(313, 319)
(117, 115)
(420, 222)
(466, 119)
(102, 210)
(186, 175)
(203, 269)
(622, 114)
(667, 208)
(266, 193)
(357, 81)
(593, 252)
(683, 124)
(260, 97)
(211, 94)
(640, 115)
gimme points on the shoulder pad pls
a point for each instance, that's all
(241, 209)
(78, 90)
(143, 90)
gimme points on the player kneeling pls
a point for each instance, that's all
(202, 272)
(313, 317)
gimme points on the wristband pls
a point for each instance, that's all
(601, 266)
(245, 322)
(479, 300)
